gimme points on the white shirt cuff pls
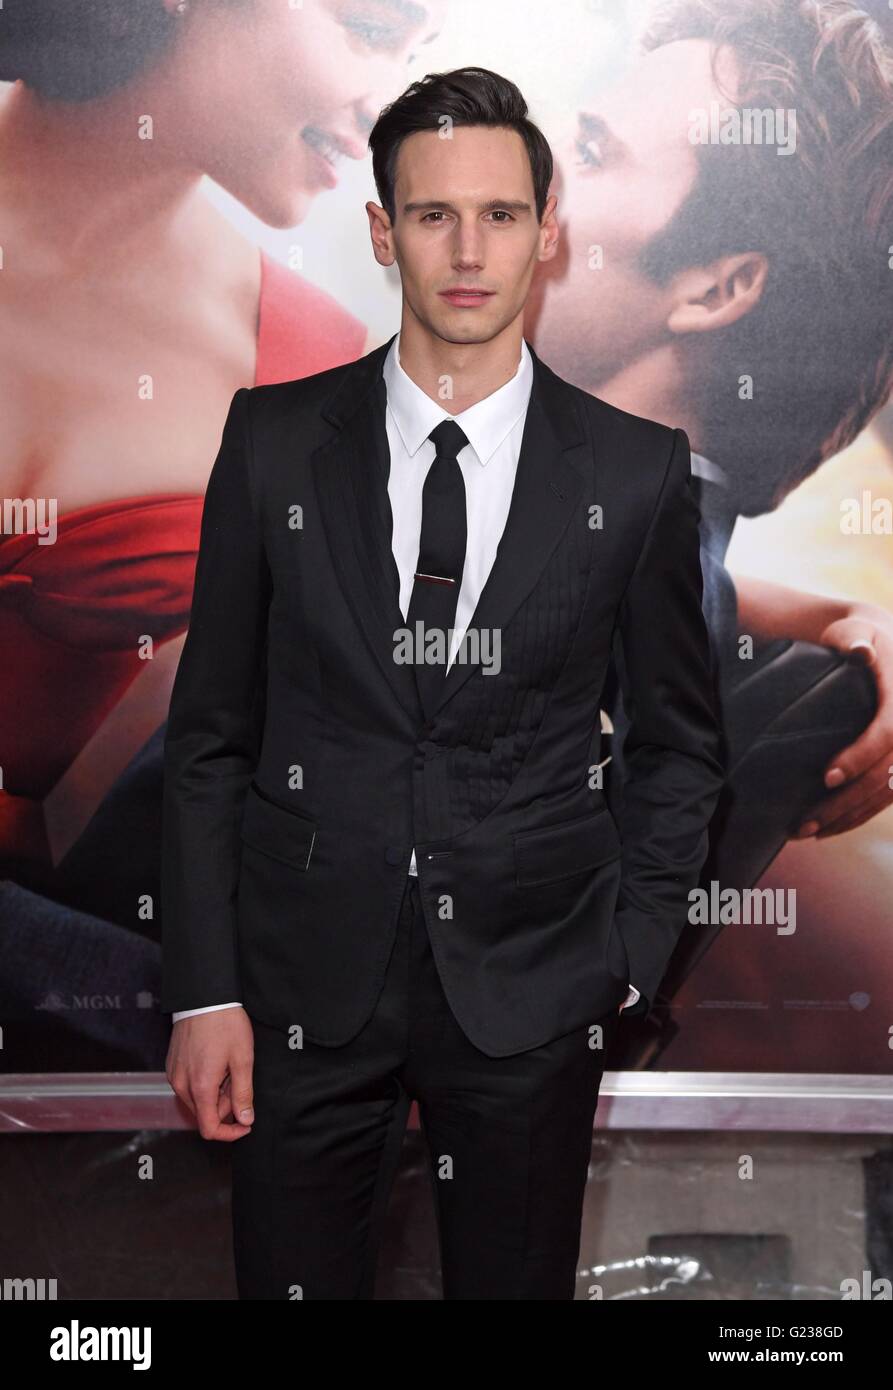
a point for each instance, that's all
(209, 1009)
(631, 998)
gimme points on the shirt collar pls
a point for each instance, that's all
(716, 503)
(486, 423)
(703, 467)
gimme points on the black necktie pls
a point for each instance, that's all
(438, 576)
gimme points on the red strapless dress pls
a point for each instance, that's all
(72, 613)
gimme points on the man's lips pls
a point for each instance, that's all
(466, 296)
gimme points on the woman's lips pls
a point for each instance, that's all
(466, 298)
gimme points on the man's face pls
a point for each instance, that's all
(466, 219)
(626, 169)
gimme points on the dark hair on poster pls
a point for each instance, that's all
(822, 219)
(79, 50)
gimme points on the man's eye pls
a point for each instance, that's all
(497, 212)
(590, 152)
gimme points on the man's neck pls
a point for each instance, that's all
(655, 383)
(646, 387)
(458, 375)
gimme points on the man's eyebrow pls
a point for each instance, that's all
(592, 126)
(441, 205)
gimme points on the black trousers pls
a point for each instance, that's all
(509, 1140)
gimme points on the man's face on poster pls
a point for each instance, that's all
(626, 168)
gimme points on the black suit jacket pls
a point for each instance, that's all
(301, 768)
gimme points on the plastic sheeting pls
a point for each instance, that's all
(666, 1216)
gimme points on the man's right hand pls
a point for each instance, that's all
(209, 1065)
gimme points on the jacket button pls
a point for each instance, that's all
(393, 855)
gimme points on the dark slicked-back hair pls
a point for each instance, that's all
(467, 96)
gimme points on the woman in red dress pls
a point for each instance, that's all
(132, 309)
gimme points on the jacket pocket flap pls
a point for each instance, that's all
(277, 830)
(561, 850)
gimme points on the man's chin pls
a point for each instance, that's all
(475, 326)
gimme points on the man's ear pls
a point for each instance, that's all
(549, 230)
(381, 232)
(708, 297)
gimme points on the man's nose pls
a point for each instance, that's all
(469, 245)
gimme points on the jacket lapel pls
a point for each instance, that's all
(351, 474)
(546, 492)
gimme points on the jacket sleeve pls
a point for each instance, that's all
(213, 731)
(674, 750)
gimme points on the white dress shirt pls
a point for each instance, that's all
(494, 427)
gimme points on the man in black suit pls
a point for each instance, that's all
(387, 872)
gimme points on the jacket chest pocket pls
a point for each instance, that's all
(277, 830)
(558, 851)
